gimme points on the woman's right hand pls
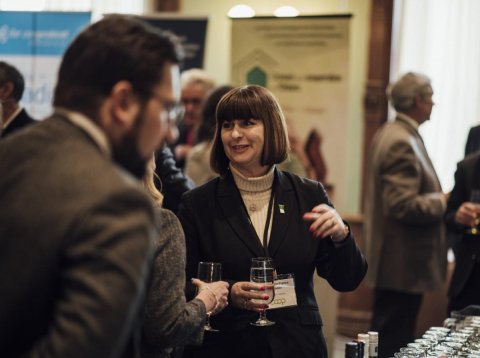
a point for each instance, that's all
(243, 292)
(214, 295)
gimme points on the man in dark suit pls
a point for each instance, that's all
(170, 179)
(460, 217)
(12, 85)
(76, 227)
(405, 238)
(473, 140)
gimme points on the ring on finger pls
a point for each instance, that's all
(245, 303)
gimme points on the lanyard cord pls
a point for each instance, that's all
(267, 221)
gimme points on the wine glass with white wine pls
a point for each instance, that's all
(262, 271)
(209, 272)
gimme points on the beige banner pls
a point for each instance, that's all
(304, 61)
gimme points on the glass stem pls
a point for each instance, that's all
(263, 315)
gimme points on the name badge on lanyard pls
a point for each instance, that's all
(285, 295)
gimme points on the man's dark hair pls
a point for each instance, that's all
(116, 48)
(8, 73)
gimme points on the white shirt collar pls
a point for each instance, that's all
(409, 120)
(12, 117)
(90, 127)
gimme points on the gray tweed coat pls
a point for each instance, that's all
(170, 321)
(406, 243)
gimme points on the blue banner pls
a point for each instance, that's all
(34, 42)
(39, 33)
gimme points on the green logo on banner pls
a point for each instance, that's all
(257, 76)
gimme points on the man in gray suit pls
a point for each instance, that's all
(406, 245)
(76, 227)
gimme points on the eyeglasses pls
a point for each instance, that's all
(173, 112)
(192, 101)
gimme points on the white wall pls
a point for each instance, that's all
(217, 63)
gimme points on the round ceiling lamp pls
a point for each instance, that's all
(286, 11)
(241, 10)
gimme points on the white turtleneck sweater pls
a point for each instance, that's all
(255, 193)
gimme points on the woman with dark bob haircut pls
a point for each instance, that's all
(254, 210)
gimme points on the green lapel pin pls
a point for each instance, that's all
(281, 207)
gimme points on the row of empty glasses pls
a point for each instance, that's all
(459, 337)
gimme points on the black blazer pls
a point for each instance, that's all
(473, 140)
(217, 229)
(21, 120)
(173, 182)
(467, 248)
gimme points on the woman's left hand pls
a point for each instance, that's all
(242, 293)
(326, 222)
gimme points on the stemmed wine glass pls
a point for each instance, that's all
(262, 271)
(209, 272)
(475, 198)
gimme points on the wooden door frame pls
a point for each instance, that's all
(166, 5)
(375, 100)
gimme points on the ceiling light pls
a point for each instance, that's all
(286, 11)
(241, 11)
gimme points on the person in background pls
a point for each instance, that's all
(77, 228)
(12, 86)
(297, 161)
(170, 322)
(196, 84)
(473, 141)
(405, 236)
(170, 179)
(463, 212)
(197, 166)
(254, 210)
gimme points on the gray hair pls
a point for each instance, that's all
(403, 92)
(197, 76)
